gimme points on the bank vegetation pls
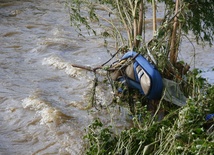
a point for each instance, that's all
(182, 130)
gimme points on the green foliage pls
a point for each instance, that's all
(183, 130)
(198, 18)
(112, 18)
(96, 14)
(194, 16)
(100, 139)
(79, 16)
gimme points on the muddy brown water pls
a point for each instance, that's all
(41, 95)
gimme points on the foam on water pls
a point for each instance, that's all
(44, 109)
(59, 63)
(61, 133)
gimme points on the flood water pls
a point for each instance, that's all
(41, 95)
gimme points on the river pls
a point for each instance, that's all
(41, 94)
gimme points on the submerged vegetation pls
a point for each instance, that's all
(182, 130)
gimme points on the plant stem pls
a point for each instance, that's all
(173, 49)
(140, 22)
(124, 22)
(154, 17)
(135, 24)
